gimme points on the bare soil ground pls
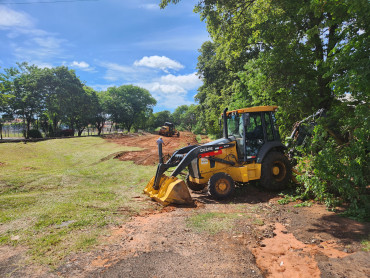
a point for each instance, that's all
(147, 141)
(267, 239)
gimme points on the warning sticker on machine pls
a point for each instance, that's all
(203, 160)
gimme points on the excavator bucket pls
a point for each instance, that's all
(171, 190)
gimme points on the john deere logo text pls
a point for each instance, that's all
(206, 149)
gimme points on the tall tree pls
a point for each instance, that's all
(186, 116)
(100, 109)
(28, 95)
(70, 96)
(294, 49)
(129, 104)
(85, 112)
(159, 118)
(5, 95)
(65, 98)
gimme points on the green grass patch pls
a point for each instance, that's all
(366, 245)
(212, 222)
(60, 196)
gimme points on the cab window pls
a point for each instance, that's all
(269, 127)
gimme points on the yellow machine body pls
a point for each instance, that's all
(238, 172)
(168, 130)
(171, 191)
(165, 130)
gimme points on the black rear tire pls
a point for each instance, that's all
(221, 186)
(276, 171)
(195, 186)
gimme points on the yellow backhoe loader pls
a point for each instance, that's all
(168, 129)
(250, 150)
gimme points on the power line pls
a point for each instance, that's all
(45, 2)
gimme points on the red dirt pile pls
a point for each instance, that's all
(149, 156)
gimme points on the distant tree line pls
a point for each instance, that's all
(49, 98)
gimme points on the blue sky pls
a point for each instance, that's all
(109, 43)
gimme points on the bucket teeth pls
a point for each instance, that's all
(171, 191)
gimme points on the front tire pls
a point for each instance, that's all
(275, 171)
(221, 186)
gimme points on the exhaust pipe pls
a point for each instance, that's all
(226, 135)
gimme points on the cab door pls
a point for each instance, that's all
(254, 134)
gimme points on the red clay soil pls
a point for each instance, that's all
(147, 141)
(160, 244)
(285, 256)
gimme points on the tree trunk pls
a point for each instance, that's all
(55, 125)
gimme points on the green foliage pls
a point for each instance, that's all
(128, 104)
(220, 82)
(159, 118)
(366, 245)
(337, 172)
(100, 102)
(185, 117)
(23, 83)
(34, 133)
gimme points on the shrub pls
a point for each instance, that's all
(335, 168)
(34, 133)
(64, 132)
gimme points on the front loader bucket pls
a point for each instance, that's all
(171, 191)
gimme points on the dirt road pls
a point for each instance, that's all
(257, 237)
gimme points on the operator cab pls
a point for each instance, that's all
(251, 128)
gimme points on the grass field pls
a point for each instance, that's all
(61, 196)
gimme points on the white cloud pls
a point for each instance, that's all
(159, 62)
(27, 42)
(150, 6)
(82, 66)
(38, 48)
(117, 72)
(188, 82)
(42, 65)
(10, 18)
(48, 42)
(165, 89)
(168, 96)
(169, 90)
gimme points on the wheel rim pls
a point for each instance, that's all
(279, 170)
(222, 186)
